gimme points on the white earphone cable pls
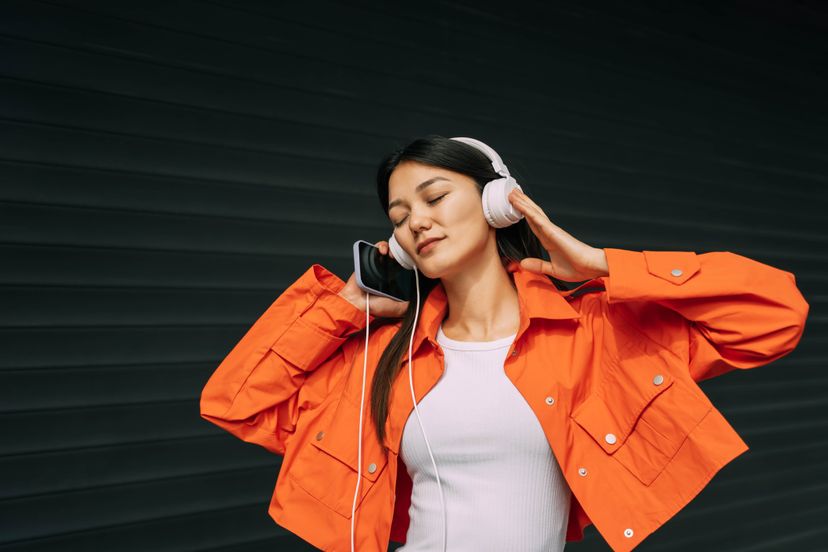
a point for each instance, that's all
(416, 411)
(361, 406)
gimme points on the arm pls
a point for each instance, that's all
(735, 312)
(253, 393)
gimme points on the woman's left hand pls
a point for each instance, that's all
(571, 259)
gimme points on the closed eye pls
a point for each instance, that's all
(431, 202)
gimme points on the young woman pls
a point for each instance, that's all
(544, 409)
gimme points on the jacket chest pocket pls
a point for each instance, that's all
(641, 414)
(327, 467)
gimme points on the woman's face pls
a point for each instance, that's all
(431, 202)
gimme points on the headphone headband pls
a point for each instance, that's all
(497, 163)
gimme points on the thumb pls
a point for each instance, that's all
(539, 266)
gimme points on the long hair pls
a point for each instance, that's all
(514, 243)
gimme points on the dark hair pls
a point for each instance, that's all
(514, 242)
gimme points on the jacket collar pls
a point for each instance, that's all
(537, 295)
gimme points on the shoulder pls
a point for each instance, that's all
(637, 322)
(626, 321)
(380, 333)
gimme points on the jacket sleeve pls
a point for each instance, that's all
(734, 312)
(254, 392)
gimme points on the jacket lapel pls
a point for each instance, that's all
(538, 297)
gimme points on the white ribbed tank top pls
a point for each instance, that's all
(504, 490)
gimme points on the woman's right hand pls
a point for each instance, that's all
(380, 306)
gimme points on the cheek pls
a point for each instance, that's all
(474, 219)
(469, 224)
(468, 212)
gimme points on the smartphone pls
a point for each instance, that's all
(379, 274)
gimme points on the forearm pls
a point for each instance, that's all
(739, 313)
(599, 264)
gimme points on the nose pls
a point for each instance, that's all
(417, 223)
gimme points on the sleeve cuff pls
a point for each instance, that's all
(644, 275)
(324, 324)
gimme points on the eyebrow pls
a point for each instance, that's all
(420, 187)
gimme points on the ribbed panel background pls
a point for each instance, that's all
(168, 168)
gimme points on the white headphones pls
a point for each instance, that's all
(498, 210)
(499, 213)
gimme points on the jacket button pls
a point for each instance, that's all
(372, 467)
(658, 380)
(550, 400)
(610, 438)
(676, 272)
(515, 352)
(628, 532)
(582, 472)
(320, 435)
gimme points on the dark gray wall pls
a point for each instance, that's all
(168, 168)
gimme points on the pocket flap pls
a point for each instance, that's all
(674, 266)
(340, 440)
(610, 424)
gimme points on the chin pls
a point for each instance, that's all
(428, 272)
(434, 269)
(443, 262)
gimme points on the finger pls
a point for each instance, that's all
(519, 202)
(540, 266)
(394, 308)
(538, 220)
(535, 227)
(531, 209)
(529, 205)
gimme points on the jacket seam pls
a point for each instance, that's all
(704, 480)
(634, 325)
(270, 348)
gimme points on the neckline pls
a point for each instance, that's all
(449, 343)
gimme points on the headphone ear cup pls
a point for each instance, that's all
(497, 208)
(399, 253)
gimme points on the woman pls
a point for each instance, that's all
(547, 409)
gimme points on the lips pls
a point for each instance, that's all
(426, 243)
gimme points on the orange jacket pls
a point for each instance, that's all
(609, 369)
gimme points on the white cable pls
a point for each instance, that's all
(416, 411)
(361, 405)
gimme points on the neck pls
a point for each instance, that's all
(483, 302)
